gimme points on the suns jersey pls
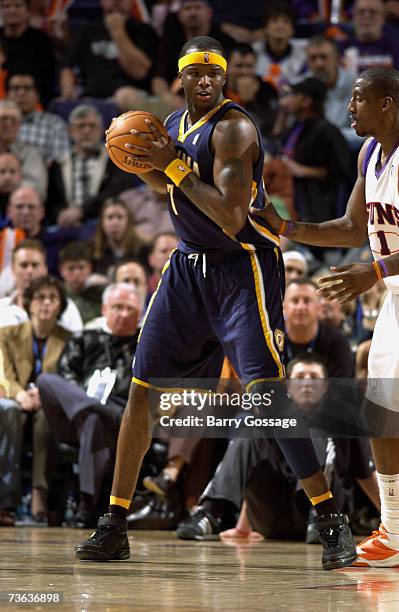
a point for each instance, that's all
(197, 232)
(382, 200)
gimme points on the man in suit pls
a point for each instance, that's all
(84, 178)
(29, 349)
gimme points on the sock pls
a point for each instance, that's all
(324, 506)
(389, 495)
(119, 506)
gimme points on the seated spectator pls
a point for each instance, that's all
(255, 469)
(115, 238)
(27, 47)
(368, 46)
(29, 349)
(295, 266)
(280, 58)
(28, 263)
(149, 210)
(10, 179)
(86, 176)
(112, 52)
(193, 19)
(324, 64)
(10, 457)
(84, 289)
(134, 273)
(163, 245)
(45, 131)
(34, 169)
(247, 89)
(79, 410)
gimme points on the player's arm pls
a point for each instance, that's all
(347, 231)
(156, 180)
(235, 143)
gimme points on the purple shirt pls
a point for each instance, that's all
(382, 52)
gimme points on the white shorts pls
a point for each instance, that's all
(383, 362)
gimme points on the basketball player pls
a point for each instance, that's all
(373, 207)
(220, 292)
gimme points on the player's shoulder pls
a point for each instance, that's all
(235, 125)
(365, 154)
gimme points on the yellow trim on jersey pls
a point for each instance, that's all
(263, 231)
(264, 317)
(183, 135)
(166, 266)
(202, 57)
(254, 192)
(248, 247)
(151, 387)
(260, 380)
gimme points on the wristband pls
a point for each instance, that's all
(286, 228)
(177, 171)
(383, 267)
(320, 498)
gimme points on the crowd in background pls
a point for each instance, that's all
(83, 244)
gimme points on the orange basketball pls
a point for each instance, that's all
(118, 135)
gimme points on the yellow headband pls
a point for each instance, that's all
(202, 57)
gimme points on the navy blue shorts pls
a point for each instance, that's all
(204, 309)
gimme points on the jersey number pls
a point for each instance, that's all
(383, 242)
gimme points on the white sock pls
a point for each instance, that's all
(389, 495)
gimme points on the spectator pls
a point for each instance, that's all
(295, 265)
(247, 89)
(193, 19)
(29, 349)
(316, 177)
(162, 246)
(45, 131)
(134, 273)
(76, 267)
(305, 332)
(112, 52)
(115, 237)
(324, 64)
(280, 58)
(34, 169)
(28, 263)
(79, 411)
(10, 179)
(368, 46)
(27, 47)
(84, 178)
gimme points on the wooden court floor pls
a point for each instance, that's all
(165, 574)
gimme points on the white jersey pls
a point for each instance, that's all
(382, 199)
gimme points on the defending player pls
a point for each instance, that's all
(373, 208)
(221, 291)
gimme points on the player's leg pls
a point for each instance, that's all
(253, 338)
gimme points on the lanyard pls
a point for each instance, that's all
(39, 350)
(308, 348)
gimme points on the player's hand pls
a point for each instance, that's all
(115, 22)
(268, 214)
(347, 282)
(158, 152)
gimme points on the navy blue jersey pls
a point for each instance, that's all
(197, 232)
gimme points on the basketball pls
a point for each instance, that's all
(118, 134)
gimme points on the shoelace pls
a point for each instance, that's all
(100, 531)
(331, 536)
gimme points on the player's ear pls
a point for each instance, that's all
(388, 102)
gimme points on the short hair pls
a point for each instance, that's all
(29, 243)
(302, 280)
(20, 72)
(381, 81)
(128, 260)
(161, 235)
(279, 9)
(84, 110)
(321, 39)
(307, 359)
(40, 283)
(202, 43)
(75, 251)
(242, 49)
(118, 287)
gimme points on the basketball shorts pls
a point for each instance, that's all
(206, 307)
(383, 363)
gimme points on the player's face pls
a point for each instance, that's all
(203, 85)
(307, 385)
(363, 110)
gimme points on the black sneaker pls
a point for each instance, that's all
(200, 526)
(108, 543)
(339, 546)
